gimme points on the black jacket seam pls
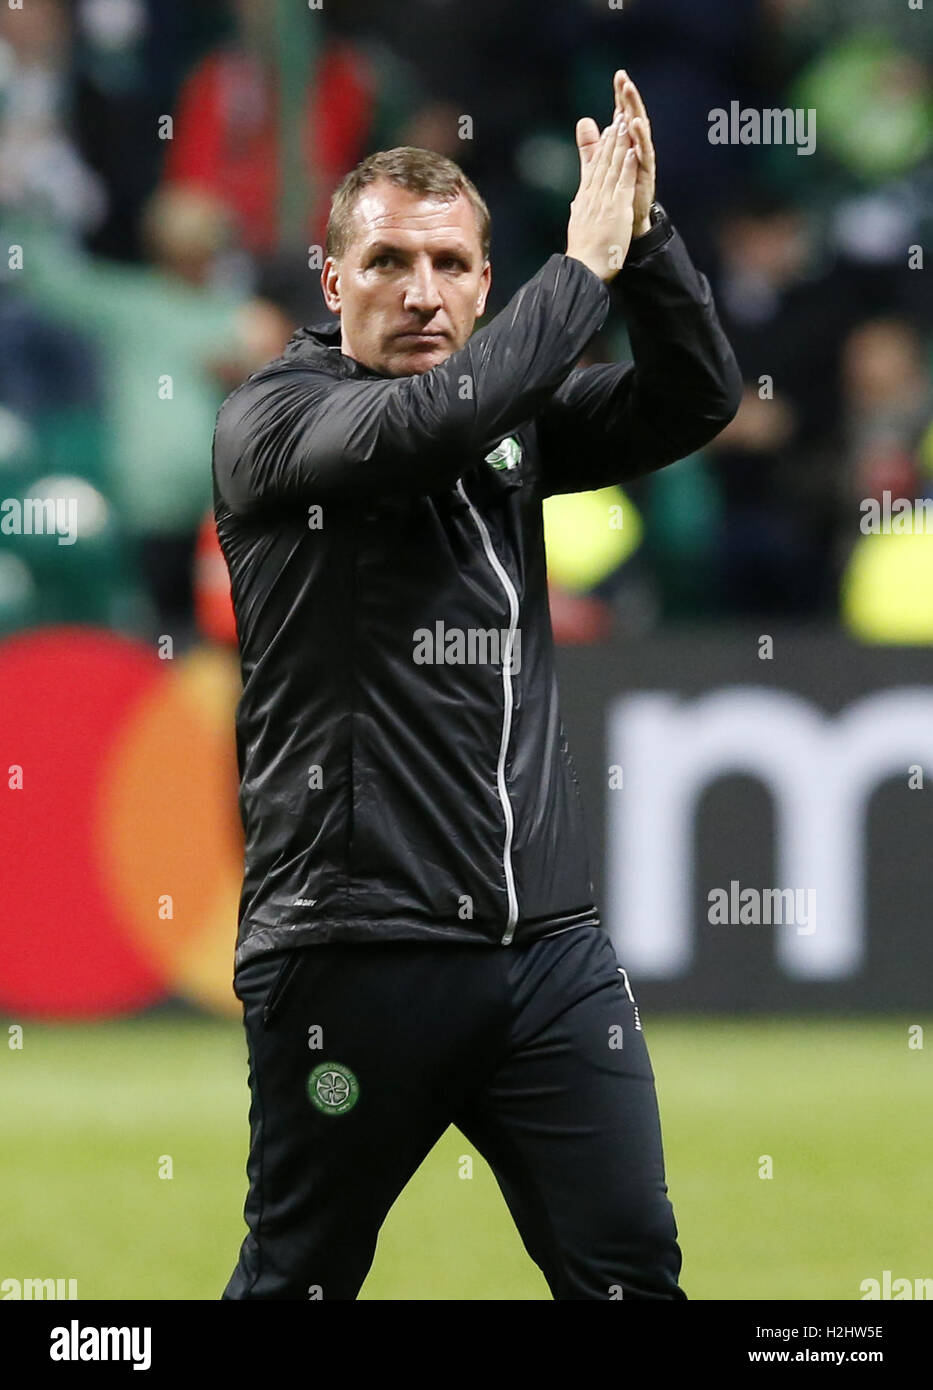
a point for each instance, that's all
(353, 683)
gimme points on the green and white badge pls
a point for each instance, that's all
(508, 454)
(332, 1088)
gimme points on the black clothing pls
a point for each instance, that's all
(536, 1054)
(378, 531)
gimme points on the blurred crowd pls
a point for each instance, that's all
(166, 166)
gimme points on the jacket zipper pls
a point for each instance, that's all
(507, 703)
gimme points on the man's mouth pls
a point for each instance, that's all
(425, 338)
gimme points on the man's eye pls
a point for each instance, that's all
(384, 259)
(452, 262)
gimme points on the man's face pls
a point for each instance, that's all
(412, 283)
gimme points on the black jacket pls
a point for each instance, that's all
(404, 771)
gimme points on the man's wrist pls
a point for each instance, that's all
(659, 232)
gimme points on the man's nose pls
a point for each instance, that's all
(421, 292)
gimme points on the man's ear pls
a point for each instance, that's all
(481, 297)
(330, 285)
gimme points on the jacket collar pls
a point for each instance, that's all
(319, 345)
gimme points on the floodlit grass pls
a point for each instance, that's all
(841, 1107)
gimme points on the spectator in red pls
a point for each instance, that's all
(226, 135)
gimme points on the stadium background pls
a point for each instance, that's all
(164, 260)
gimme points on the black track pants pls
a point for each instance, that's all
(361, 1056)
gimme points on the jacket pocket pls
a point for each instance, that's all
(295, 958)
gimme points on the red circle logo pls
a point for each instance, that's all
(122, 848)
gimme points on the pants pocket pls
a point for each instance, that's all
(294, 962)
(265, 981)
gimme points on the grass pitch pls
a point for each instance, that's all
(841, 1108)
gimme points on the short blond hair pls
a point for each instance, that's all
(420, 171)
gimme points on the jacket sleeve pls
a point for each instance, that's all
(610, 423)
(293, 434)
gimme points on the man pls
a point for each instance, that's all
(418, 942)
